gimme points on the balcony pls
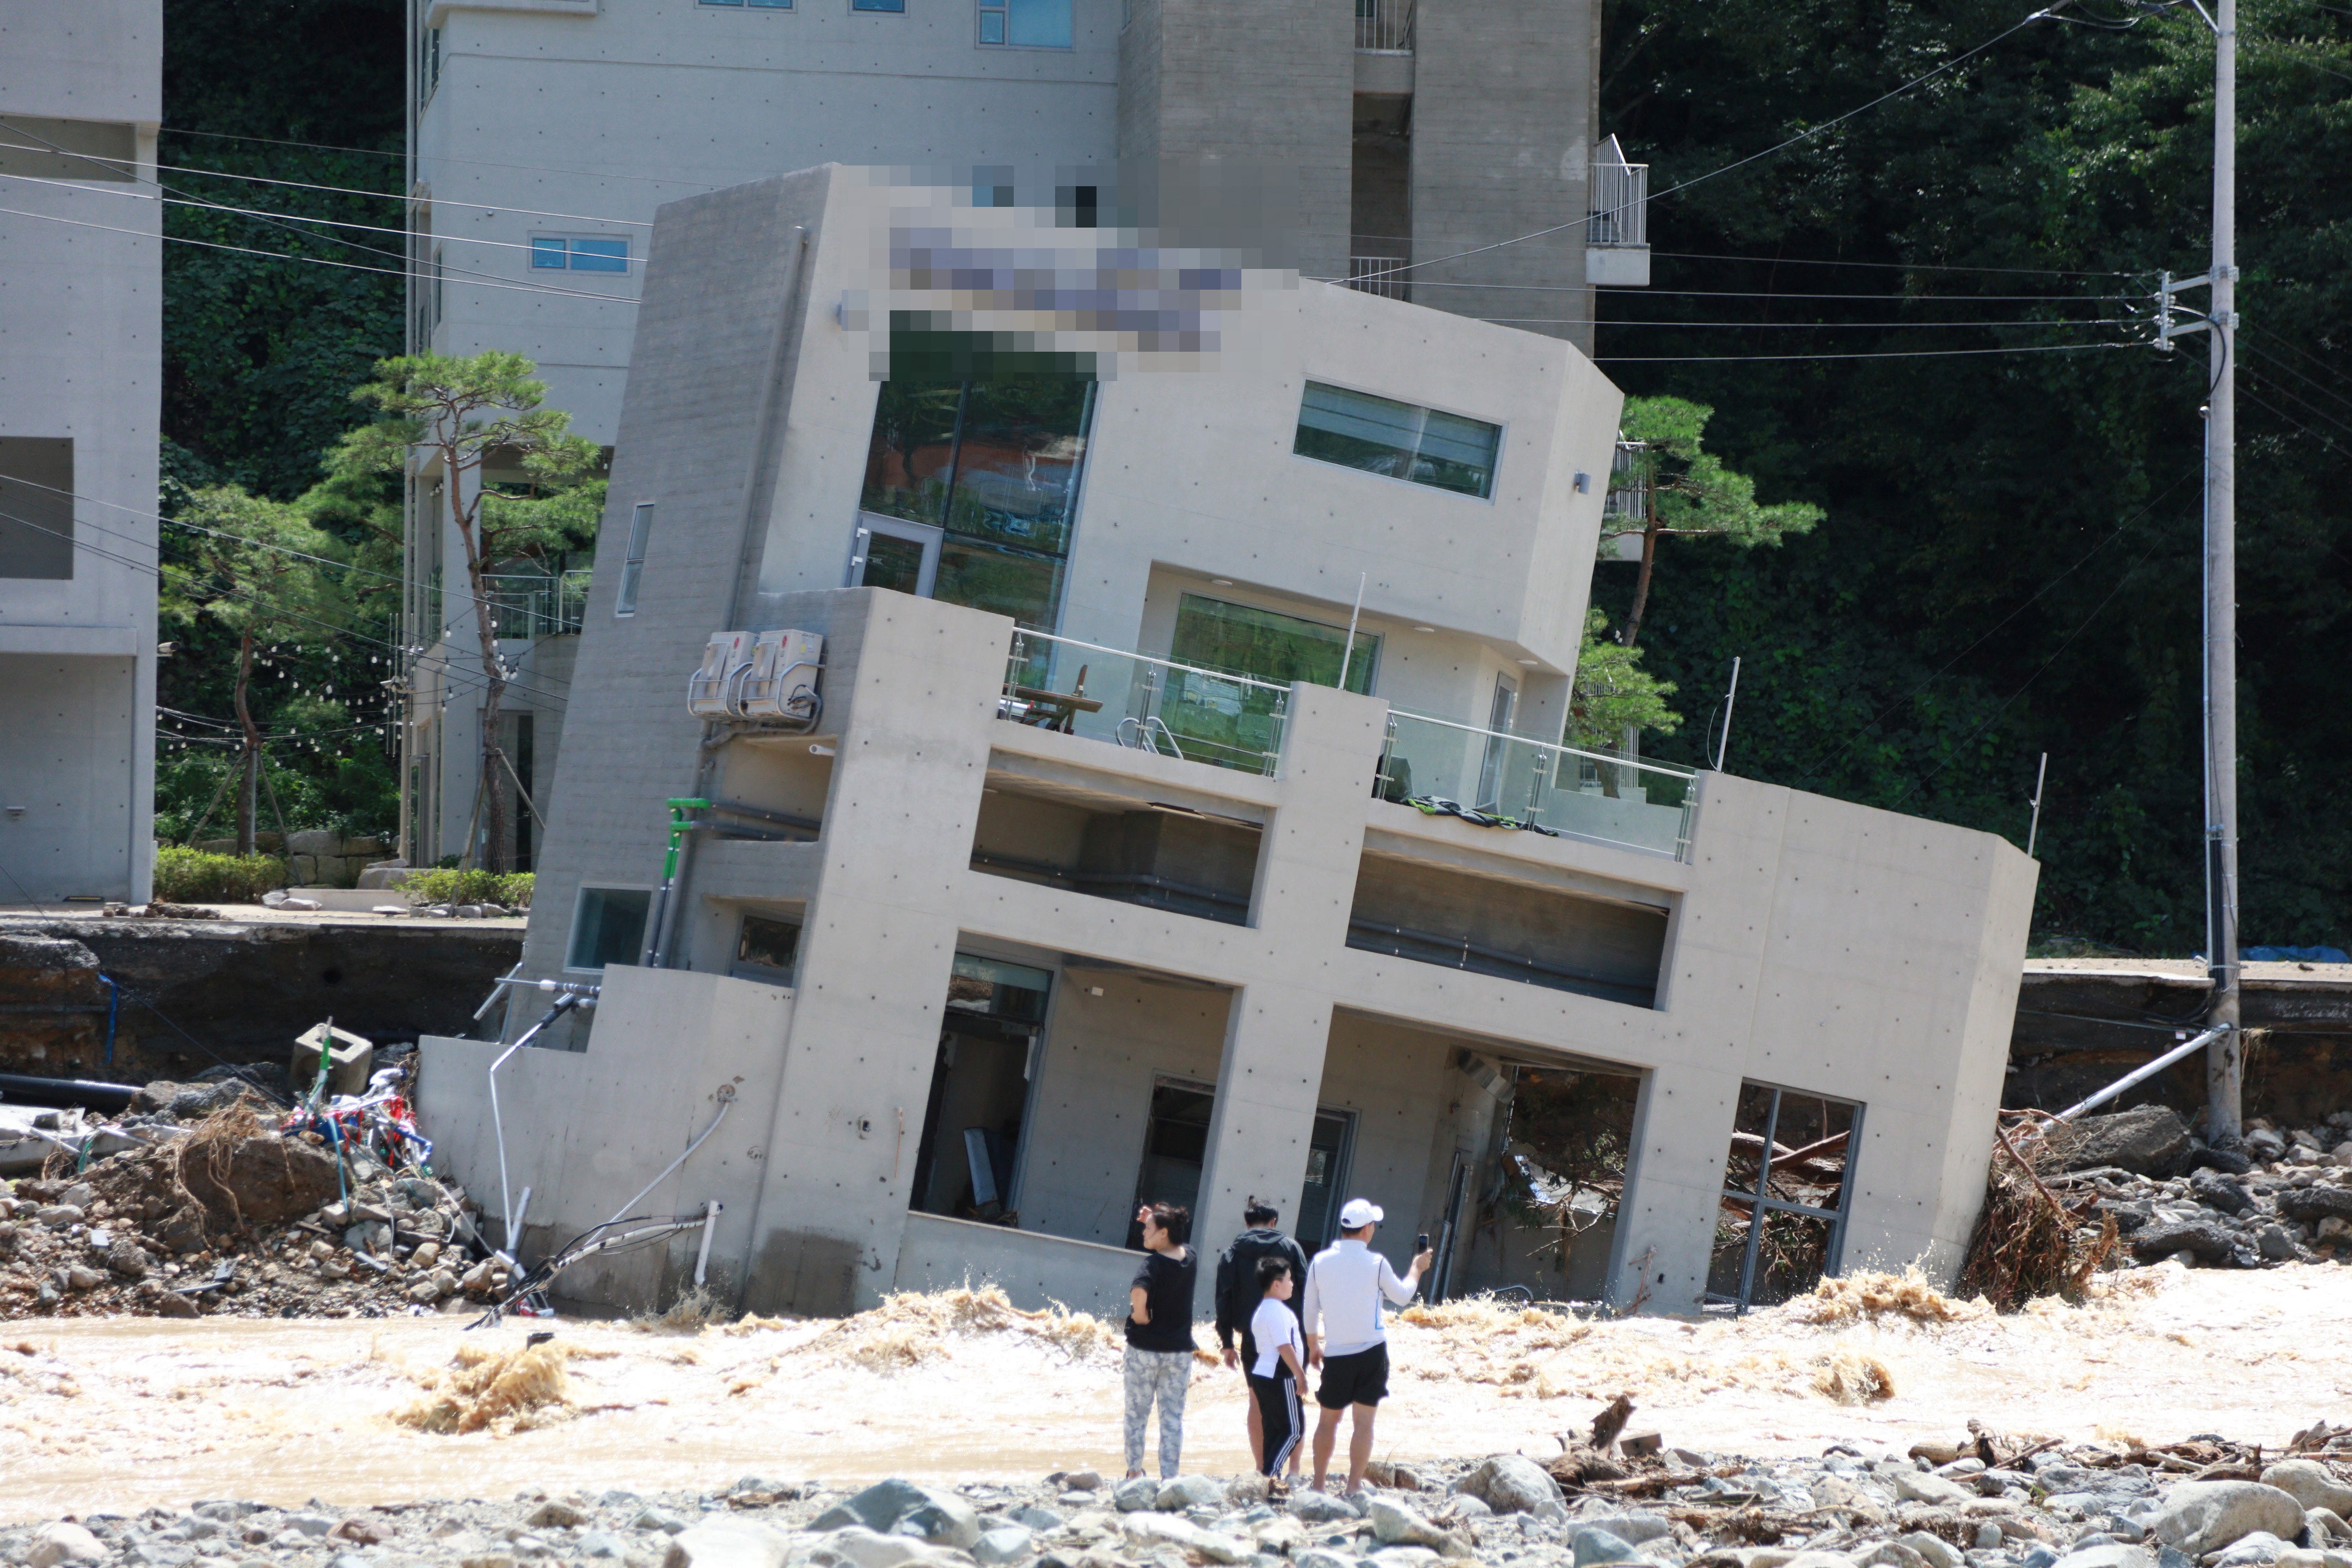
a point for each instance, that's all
(1450, 769)
(537, 605)
(1617, 221)
(1154, 705)
(1384, 26)
(1379, 275)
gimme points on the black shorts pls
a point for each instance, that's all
(1361, 1378)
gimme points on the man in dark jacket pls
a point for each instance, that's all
(1239, 1292)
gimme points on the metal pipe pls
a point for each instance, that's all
(88, 1093)
(2143, 1073)
(702, 1258)
(563, 1004)
(726, 1099)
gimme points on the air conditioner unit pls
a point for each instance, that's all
(782, 680)
(727, 656)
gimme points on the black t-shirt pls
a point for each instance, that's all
(1166, 1285)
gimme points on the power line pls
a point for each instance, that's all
(1887, 353)
(1805, 134)
(1893, 265)
(1783, 294)
(2097, 610)
(296, 218)
(427, 200)
(1837, 326)
(470, 682)
(452, 158)
(475, 280)
(1813, 771)
(2299, 353)
(482, 606)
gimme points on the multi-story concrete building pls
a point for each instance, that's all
(81, 390)
(1339, 139)
(1179, 811)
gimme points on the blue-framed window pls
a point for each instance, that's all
(754, 4)
(898, 6)
(559, 253)
(1026, 24)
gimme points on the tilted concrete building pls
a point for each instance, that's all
(1183, 816)
(81, 399)
(1342, 140)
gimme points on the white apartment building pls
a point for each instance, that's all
(1178, 814)
(1345, 138)
(80, 389)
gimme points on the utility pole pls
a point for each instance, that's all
(2224, 1058)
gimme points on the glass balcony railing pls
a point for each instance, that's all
(537, 605)
(1149, 704)
(1582, 794)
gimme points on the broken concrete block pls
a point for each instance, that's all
(729, 1543)
(349, 1060)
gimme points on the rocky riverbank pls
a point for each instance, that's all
(2204, 1503)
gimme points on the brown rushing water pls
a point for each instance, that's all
(123, 1414)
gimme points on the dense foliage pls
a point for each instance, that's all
(259, 358)
(187, 876)
(2010, 561)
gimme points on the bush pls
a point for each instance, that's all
(474, 887)
(193, 876)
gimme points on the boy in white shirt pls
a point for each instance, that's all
(1279, 1369)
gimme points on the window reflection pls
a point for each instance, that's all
(995, 464)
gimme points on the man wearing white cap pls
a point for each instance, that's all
(1345, 1336)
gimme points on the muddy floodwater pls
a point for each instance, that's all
(118, 1415)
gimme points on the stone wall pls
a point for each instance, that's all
(314, 858)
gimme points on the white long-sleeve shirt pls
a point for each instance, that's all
(1344, 1286)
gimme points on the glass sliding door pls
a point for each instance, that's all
(1264, 643)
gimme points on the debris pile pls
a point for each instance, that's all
(220, 1202)
(1984, 1501)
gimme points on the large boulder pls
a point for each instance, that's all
(2197, 1517)
(2149, 1141)
(2313, 1204)
(2201, 1239)
(1509, 1483)
(907, 1508)
(728, 1544)
(2310, 1483)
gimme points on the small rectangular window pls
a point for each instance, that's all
(577, 254)
(1401, 440)
(737, 3)
(608, 927)
(895, 5)
(1026, 24)
(633, 566)
(766, 944)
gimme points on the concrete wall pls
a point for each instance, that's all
(80, 359)
(938, 1253)
(1505, 116)
(586, 1131)
(1236, 126)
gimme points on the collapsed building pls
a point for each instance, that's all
(1077, 722)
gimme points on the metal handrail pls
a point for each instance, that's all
(1147, 658)
(1384, 26)
(1603, 758)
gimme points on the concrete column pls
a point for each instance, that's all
(1271, 1073)
(876, 954)
(1665, 1221)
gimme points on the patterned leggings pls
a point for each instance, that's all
(1164, 1375)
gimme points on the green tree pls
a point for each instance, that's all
(1685, 492)
(263, 571)
(1613, 694)
(466, 421)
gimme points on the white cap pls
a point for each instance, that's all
(1357, 1213)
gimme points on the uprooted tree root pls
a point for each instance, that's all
(2027, 1243)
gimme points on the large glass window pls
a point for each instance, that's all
(1382, 436)
(995, 466)
(1238, 639)
(608, 927)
